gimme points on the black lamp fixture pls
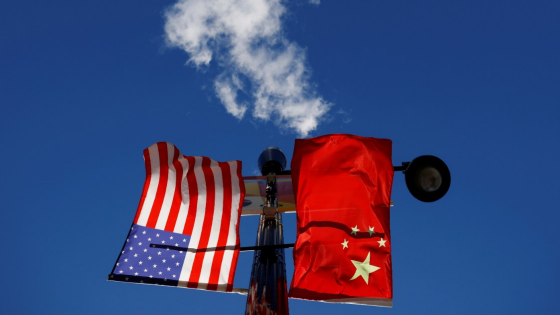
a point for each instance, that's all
(272, 161)
(427, 178)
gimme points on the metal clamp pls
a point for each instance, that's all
(269, 213)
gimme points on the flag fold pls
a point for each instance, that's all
(342, 186)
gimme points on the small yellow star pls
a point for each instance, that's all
(382, 242)
(344, 244)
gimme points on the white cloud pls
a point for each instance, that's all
(226, 89)
(246, 38)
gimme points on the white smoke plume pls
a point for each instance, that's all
(245, 38)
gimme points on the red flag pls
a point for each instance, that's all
(186, 229)
(342, 184)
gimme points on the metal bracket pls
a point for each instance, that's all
(269, 213)
(270, 205)
(401, 168)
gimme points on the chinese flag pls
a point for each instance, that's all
(342, 184)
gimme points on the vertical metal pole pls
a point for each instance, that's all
(268, 292)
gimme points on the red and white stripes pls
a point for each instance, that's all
(200, 197)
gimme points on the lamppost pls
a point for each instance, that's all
(268, 292)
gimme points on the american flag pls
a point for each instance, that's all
(186, 229)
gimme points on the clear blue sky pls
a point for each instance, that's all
(85, 86)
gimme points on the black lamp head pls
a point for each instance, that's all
(272, 161)
(427, 178)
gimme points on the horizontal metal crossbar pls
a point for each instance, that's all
(252, 248)
(242, 249)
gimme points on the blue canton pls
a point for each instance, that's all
(151, 256)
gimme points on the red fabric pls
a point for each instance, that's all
(342, 182)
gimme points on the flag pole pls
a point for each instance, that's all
(268, 292)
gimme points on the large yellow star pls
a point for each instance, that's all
(363, 269)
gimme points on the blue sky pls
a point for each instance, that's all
(86, 86)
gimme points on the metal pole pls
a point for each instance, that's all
(268, 292)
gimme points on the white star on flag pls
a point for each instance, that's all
(355, 230)
(344, 244)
